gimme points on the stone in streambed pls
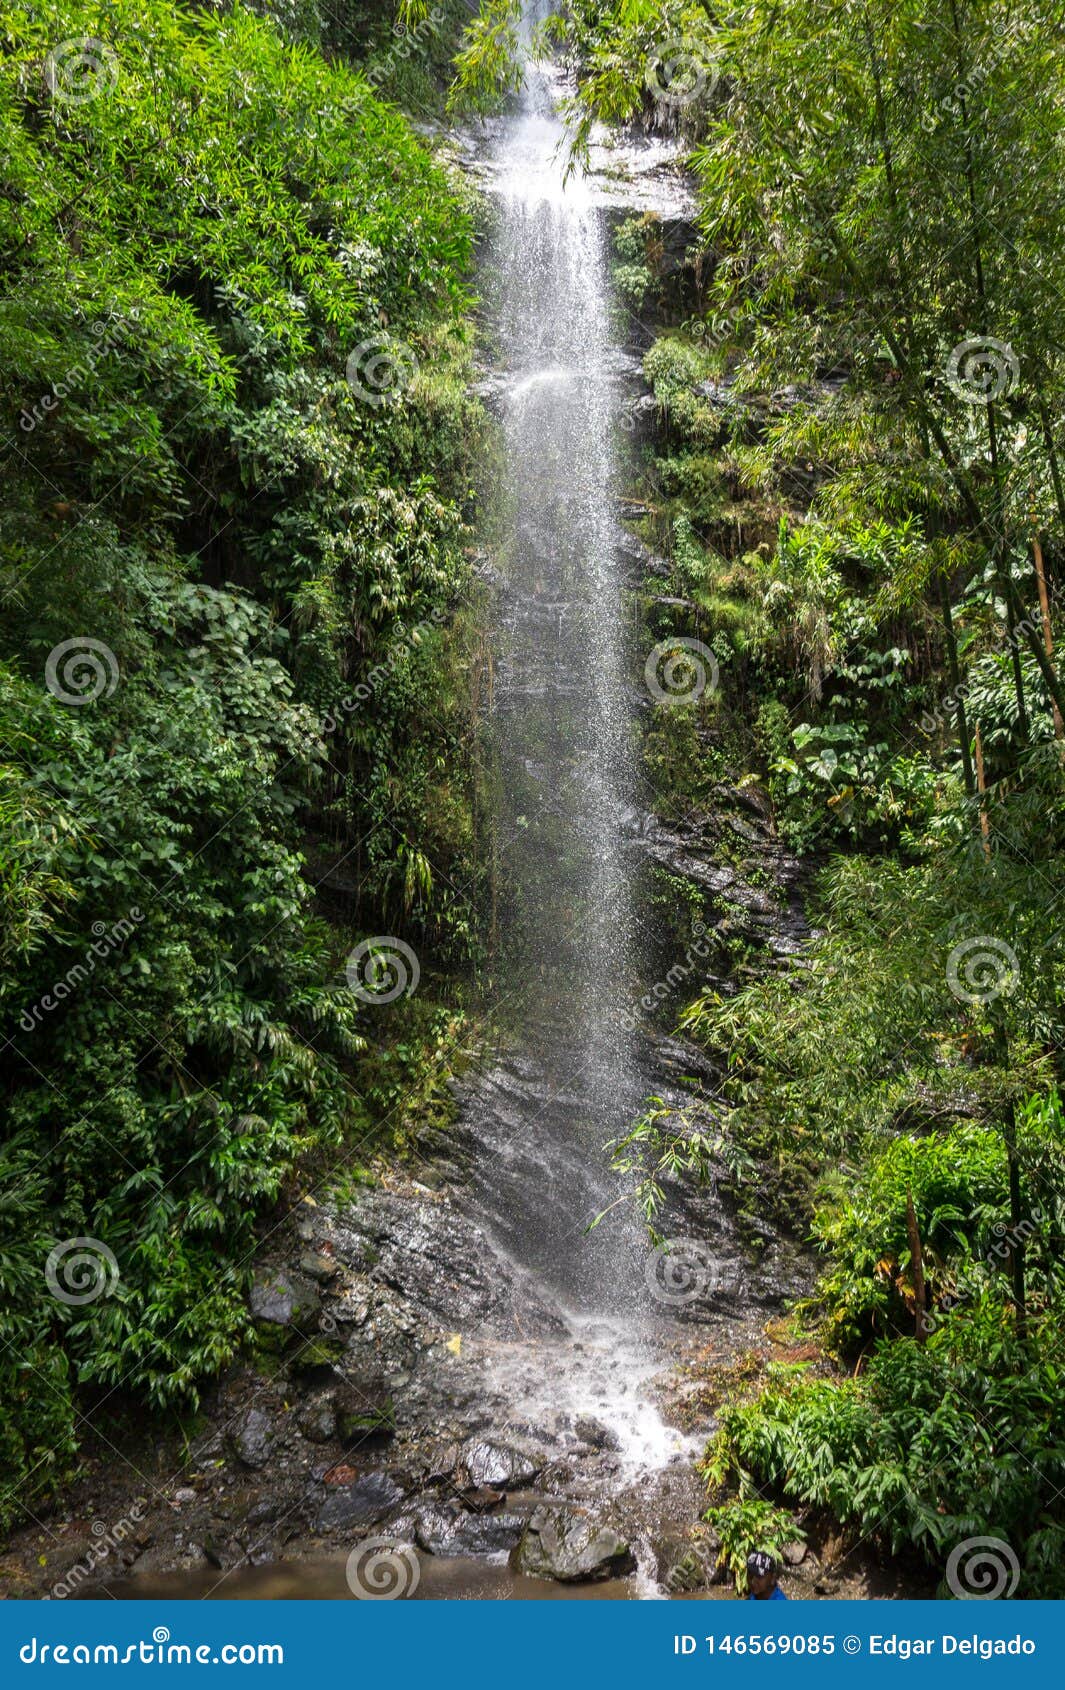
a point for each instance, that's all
(591, 1431)
(571, 1547)
(363, 1503)
(444, 1530)
(495, 1466)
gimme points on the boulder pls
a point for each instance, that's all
(495, 1466)
(252, 1438)
(282, 1304)
(591, 1431)
(317, 1421)
(446, 1530)
(572, 1547)
(363, 1503)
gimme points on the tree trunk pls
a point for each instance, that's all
(955, 682)
(1055, 468)
(1016, 1224)
(1048, 632)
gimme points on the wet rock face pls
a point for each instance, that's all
(571, 1546)
(764, 883)
(439, 1261)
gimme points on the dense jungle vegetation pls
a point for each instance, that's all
(239, 624)
(859, 486)
(232, 686)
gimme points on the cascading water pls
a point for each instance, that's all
(563, 734)
(562, 726)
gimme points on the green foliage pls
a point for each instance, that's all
(489, 65)
(267, 541)
(930, 1446)
(958, 1183)
(746, 1524)
(816, 1067)
(639, 61)
(859, 438)
(665, 1142)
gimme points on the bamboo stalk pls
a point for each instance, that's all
(920, 1299)
(981, 787)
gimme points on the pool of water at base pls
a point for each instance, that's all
(441, 1579)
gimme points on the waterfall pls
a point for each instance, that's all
(562, 723)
